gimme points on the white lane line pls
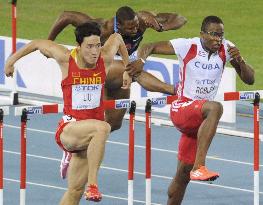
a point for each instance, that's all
(64, 189)
(143, 147)
(140, 173)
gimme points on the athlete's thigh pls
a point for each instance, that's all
(77, 135)
(187, 116)
(114, 76)
(83, 128)
(78, 170)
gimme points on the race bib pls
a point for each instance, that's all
(86, 96)
(68, 118)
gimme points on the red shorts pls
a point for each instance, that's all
(61, 124)
(187, 118)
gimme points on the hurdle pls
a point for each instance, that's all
(3, 111)
(164, 100)
(256, 148)
(148, 173)
(24, 111)
(131, 152)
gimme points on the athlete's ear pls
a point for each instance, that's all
(118, 25)
(202, 34)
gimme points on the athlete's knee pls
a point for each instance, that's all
(104, 129)
(115, 125)
(217, 109)
(214, 109)
(114, 122)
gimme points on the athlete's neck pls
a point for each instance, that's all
(82, 64)
(206, 49)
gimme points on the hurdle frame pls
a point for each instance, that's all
(256, 148)
(131, 152)
(148, 172)
(1, 157)
(164, 100)
(23, 157)
(14, 93)
(3, 111)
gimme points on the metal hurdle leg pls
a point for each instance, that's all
(148, 188)
(256, 149)
(3, 111)
(14, 93)
(23, 158)
(1, 158)
(131, 153)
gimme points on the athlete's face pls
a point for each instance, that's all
(129, 27)
(213, 36)
(90, 49)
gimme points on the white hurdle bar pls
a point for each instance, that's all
(141, 102)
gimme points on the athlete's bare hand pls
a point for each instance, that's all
(127, 80)
(234, 53)
(134, 68)
(150, 21)
(9, 69)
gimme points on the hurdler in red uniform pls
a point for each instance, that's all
(82, 130)
(82, 95)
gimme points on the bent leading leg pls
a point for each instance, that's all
(113, 91)
(115, 116)
(91, 136)
(212, 112)
(95, 151)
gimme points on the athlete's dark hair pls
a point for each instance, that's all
(210, 19)
(125, 13)
(85, 30)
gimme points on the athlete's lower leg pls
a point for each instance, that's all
(179, 183)
(212, 112)
(95, 152)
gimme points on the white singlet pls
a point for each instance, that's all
(199, 77)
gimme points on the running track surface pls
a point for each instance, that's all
(232, 157)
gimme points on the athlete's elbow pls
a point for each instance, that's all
(181, 20)
(250, 81)
(64, 18)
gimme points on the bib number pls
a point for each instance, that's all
(86, 96)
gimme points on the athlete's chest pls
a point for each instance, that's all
(204, 65)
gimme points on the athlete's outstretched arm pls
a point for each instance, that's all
(46, 47)
(112, 46)
(153, 84)
(171, 21)
(147, 80)
(162, 47)
(68, 18)
(162, 21)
